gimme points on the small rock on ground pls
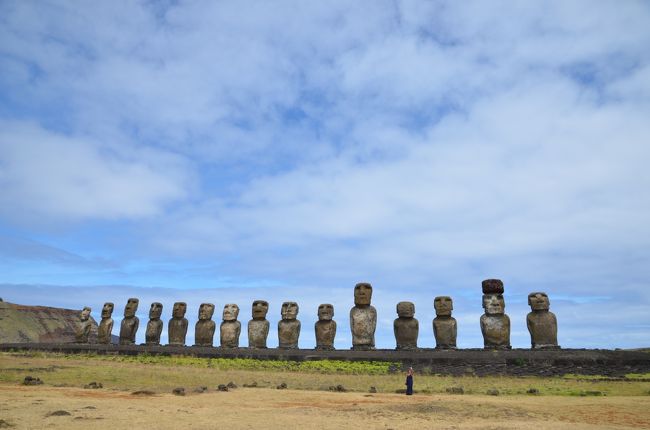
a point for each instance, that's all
(30, 380)
(492, 392)
(231, 385)
(455, 390)
(372, 389)
(282, 386)
(59, 413)
(179, 391)
(222, 387)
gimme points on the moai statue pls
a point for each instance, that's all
(205, 327)
(155, 325)
(444, 325)
(325, 328)
(363, 318)
(406, 327)
(130, 323)
(495, 324)
(289, 326)
(177, 326)
(230, 327)
(85, 324)
(258, 327)
(104, 331)
(542, 324)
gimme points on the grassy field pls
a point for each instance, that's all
(61, 402)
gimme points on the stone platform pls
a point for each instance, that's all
(479, 362)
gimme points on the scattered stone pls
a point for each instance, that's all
(231, 385)
(30, 380)
(59, 413)
(492, 392)
(143, 393)
(201, 389)
(338, 388)
(533, 391)
(455, 390)
(179, 391)
(222, 387)
(89, 407)
(282, 386)
(94, 386)
(251, 385)
(372, 389)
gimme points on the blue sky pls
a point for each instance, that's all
(231, 151)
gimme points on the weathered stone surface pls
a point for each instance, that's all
(325, 327)
(363, 318)
(406, 327)
(542, 324)
(258, 327)
(444, 325)
(230, 327)
(205, 327)
(155, 325)
(289, 326)
(83, 330)
(495, 324)
(104, 333)
(130, 323)
(177, 326)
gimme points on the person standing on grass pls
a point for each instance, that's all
(409, 382)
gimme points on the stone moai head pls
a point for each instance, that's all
(206, 310)
(443, 305)
(289, 310)
(155, 311)
(405, 309)
(107, 310)
(362, 294)
(260, 308)
(131, 307)
(325, 312)
(179, 310)
(230, 312)
(493, 302)
(85, 314)
(539, 301)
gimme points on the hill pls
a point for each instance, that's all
(21, 323)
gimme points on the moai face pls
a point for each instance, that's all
(362, 294)
(539, 301)
(443, 305)
(405, 309)
(107, 310)
(155, 311)
(206, 310)
(179, 310)
(260, 308)
(85, 314)
(230, 312)
(289, 310)
(494, 304)
(131, 308)
(325, 312)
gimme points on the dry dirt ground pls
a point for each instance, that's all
(35, 407)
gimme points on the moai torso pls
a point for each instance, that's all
(363, 318)
(325, 327)
(177, 326)
(258, 327)
(85, 324)
(205, 327)
(230, 327)
(289, 326)
(405, 327)
(104, 331)
(444, 325)
(495, 324)
(155, 325)
(542, 324)
(130, 323)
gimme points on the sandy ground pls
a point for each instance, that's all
(23, 407)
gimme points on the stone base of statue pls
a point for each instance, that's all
(324, 348)
(363, 348)
(547, 347)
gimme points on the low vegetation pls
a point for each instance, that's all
(163, 373)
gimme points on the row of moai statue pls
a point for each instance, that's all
(495, 324)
